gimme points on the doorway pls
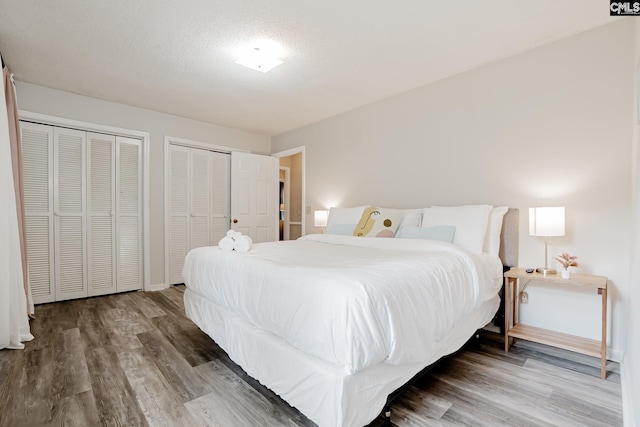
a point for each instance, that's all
(291, 195)
(285, 201)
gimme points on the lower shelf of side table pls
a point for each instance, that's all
(557, 339)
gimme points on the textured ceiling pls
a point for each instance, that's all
(179, 57)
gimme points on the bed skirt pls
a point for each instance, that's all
(322, 391)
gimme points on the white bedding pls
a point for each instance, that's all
(320, 390)
(353, 302)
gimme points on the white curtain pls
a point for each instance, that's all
(14, 320)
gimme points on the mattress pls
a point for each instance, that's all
(350, 302)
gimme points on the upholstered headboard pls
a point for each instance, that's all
(509, 238)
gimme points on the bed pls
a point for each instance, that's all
(336, 324)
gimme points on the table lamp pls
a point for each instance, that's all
(546, 222)
(320, 219)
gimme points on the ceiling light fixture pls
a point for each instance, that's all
(259, 59)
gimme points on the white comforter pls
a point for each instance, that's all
(351, 301)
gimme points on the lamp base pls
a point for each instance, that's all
(546, 271)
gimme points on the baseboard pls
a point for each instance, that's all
(158, 287)
(627, 401)
(615, 354)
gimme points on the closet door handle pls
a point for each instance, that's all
(235, 221)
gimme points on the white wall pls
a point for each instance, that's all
(551, 126)
(43, 100)
(631, 362)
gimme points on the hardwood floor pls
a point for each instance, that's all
(135, 360)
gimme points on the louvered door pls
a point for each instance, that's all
(101, 251)
(178, 210)
(83, 206)
(69, 191)
(198, 205)
(37, 169)
(199, 198)
(220, 207)
(129, 214)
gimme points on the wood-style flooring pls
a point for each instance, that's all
(134, 359)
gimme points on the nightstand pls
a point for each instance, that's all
(517, 278)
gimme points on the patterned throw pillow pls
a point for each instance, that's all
(343, 220)
(378, 222)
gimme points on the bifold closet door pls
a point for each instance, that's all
(190, 197)
(178, 210)
(115, 214)
(54, 165)
(37, 169)
(129, 214)
(199, 198)
(220, 196)
(69, 190)
(83, 211)
(198, 203)
(101, 151)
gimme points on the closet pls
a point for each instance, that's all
(83, 212)
(198, 202)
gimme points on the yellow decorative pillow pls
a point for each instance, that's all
(378, 222)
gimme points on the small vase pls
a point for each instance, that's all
(565, 274)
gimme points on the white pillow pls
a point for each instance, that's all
(470, 222)
(411, 217)
(340, 217)
(443, 233)
(494, 227)
(342, 229)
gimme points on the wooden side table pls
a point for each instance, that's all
(513, 329)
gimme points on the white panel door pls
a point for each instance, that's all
(199, 198)
(69, 192)
(254, 186)
(178, 211)
(220, 200)
(101, 200)
(129, 214)
(37, 169)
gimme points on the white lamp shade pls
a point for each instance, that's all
(546, 222)
(320, 218)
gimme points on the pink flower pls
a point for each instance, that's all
(567, 260)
